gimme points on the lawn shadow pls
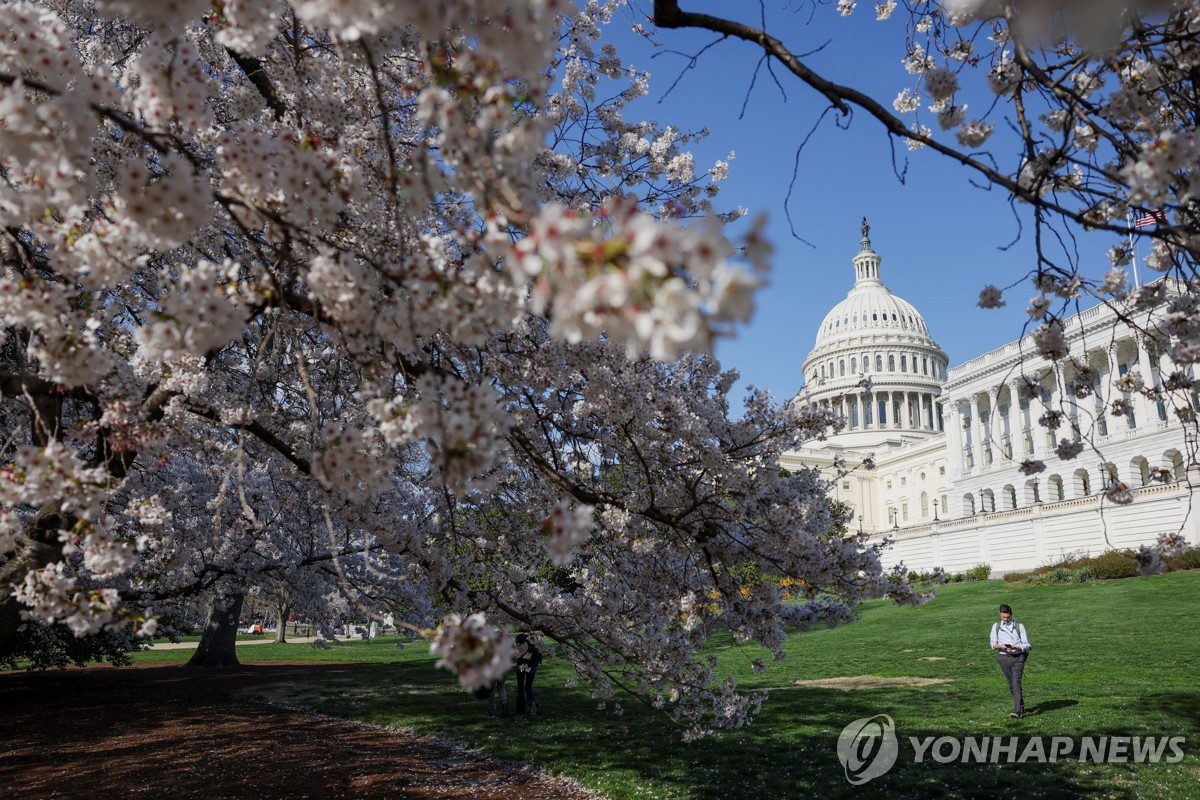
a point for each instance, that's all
(1184, 706)
(791, 749)
(1050, 705)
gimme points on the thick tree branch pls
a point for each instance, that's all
(256, 73)
(668, 14)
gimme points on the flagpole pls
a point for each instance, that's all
(1132, 249)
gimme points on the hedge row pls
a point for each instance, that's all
(1109, 565)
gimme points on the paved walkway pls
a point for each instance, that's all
(240, 643)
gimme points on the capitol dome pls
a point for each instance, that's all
(876, 363)
(870, 306)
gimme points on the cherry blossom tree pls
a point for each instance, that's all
(1086, 114)
(387, 301)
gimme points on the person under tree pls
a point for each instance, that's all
(528, 658)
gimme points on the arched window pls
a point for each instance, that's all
(1055, 485)
(968, 504)
(1139, 470)
(891, 363)
(1173, 460)
(853, 365)
(924, 504)
(924, 365)
(866, 362)
(879, 363)
(904, 363)
(842, 367)
(1082, 483)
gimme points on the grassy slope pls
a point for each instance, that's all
(1114, 658)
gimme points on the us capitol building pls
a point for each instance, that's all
(947, 442)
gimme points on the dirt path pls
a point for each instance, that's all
(167, 732)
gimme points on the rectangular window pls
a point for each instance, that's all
(904, 512)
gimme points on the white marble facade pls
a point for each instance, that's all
(948, 443)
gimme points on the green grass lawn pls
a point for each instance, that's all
(1116, 658)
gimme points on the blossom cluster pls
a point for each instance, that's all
(351, 462)
(566, 528)
(51, 596)
(478, 653)
(653, 285)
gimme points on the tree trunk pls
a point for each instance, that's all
(40, 546)
(217, 644)
(28, 557)
(281, 614)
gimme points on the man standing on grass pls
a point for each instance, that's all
(1009, 637)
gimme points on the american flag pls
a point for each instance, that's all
(1154, 216)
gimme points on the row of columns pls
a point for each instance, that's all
(1024, 435)
(917, 410)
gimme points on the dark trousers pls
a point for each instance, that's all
(525, 695)
(1013, 668)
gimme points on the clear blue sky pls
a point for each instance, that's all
(940, 237)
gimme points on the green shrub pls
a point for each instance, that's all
(1060, 575)
(1188, 559)
(1084, 575)
(1031, 578)
(979, 573)
(1113, 564)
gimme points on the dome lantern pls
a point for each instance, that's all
(866, 263)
